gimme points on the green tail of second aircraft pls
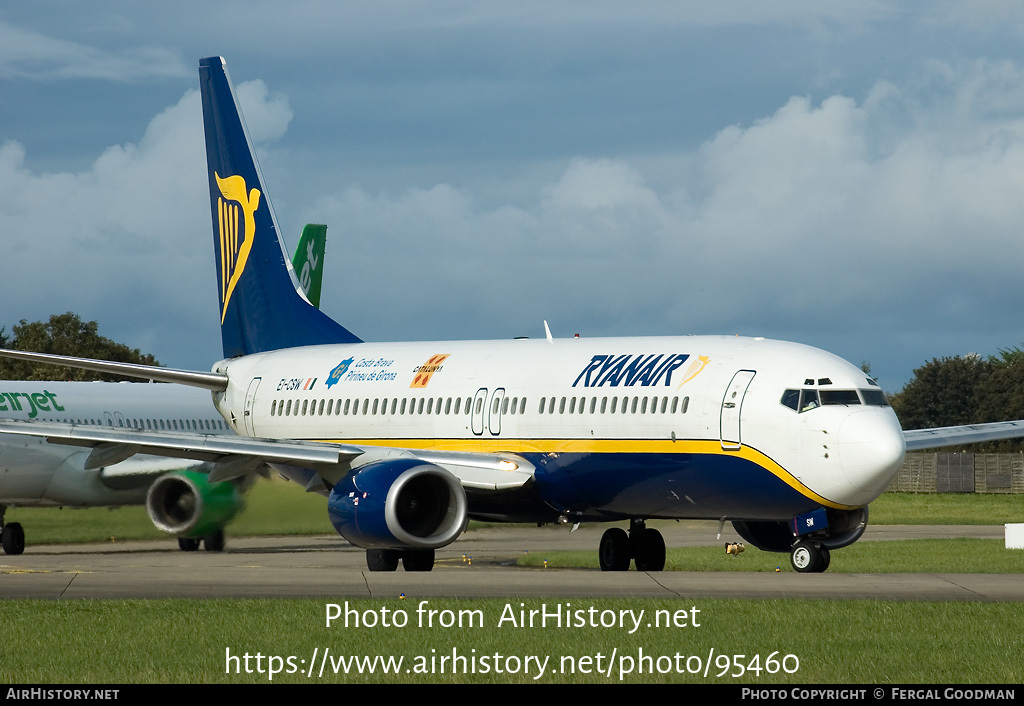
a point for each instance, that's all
(308, 261)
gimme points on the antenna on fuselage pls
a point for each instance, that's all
(547, 331)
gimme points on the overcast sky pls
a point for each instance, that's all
(844, 174)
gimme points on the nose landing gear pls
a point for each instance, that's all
(809, 557)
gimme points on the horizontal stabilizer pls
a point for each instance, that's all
(208, 381)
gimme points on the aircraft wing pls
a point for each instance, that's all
(940, 437)
(233, 456)
(139, 471)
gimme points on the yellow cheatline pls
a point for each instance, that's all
(603, 446)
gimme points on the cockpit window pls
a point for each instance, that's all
(875, 398)
(809, 400)
(800, 400)
(791, 399)
(839, 397)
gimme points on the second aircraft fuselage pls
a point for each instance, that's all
(34, 472)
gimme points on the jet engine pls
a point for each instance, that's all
(398, 504)
(186, 504)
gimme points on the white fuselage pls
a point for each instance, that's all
(692, 426)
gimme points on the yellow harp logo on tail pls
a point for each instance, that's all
(234, 247)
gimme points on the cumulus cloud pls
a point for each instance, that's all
(125, 242)
(841, 222)
(900, 212)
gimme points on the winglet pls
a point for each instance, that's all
(261, 304)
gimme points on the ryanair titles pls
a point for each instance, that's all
(628, 370)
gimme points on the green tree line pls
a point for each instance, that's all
(968, 389)
(64, 334)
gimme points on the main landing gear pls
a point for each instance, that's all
(809, 557)
(213, 542)
(12, 536)
(645, 547)
(412, 559)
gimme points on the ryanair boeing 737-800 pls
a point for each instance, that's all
(409, 440)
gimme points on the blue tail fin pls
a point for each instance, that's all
(262, 308)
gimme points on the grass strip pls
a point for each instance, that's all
(188, 641)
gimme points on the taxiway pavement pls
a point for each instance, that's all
(327, 567)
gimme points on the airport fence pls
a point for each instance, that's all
(924, 472)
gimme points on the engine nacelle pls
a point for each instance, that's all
(186, 504)
(398, 504)
(844, 528)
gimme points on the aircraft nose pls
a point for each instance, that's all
(871, 450)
